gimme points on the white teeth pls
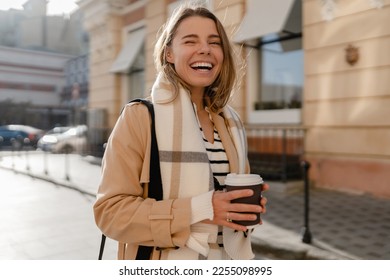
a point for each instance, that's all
(202, 65)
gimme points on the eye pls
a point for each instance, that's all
(189, 42)
(217, 43)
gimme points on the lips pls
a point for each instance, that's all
(202, 66)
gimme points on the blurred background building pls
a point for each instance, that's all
(43, 67)
(315, 83)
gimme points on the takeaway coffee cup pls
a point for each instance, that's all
(246, 181)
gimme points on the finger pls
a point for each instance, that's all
(243, 207)
(263, 201)
(242, 216)
(265, 187)
(238, 194)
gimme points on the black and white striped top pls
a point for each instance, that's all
(217, 157)
(216, 154)
(220, 168)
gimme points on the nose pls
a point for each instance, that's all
(204, 48)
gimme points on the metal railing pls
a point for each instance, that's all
(276, 152)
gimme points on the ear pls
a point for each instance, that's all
(169, 55)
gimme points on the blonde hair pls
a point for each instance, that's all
(219, 91)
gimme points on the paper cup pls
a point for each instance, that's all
(246, 181)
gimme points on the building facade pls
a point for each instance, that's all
(346, 108)
(32, 87)
(322, 67)
(43, 67)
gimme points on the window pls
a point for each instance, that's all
(281, 73)
(272, 33)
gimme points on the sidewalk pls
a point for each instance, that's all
(343, 226)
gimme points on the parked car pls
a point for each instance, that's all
(50, 138)
(17, 136)
(73, 140)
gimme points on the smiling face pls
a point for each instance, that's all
(196, 52)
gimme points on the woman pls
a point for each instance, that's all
(200, 139)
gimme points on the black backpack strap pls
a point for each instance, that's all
(155, 184)
(102, 243)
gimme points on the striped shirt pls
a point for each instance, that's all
(217, 157)
(220, 168)
(216, 153)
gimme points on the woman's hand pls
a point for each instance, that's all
(225, 211)
(263, 200)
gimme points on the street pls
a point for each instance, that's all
(40, 220)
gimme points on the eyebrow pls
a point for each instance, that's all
(212, 36)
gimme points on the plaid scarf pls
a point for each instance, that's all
(185, 167)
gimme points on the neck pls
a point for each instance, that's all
(198, 100)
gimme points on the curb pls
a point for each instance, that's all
(285, 251)
(280, 243)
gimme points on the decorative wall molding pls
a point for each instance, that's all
(376, 3)
(329, 6)
(327, 10)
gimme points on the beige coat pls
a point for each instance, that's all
(121, 211)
